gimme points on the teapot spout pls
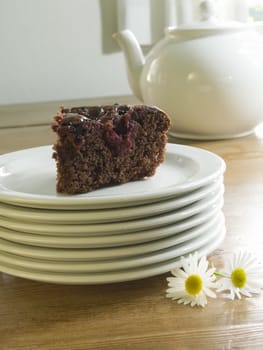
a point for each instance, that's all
(134, 59)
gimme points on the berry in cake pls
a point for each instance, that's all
(99, 146)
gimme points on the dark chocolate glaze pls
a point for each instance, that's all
(97, 112)
(114, 122)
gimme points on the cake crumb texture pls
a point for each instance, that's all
(99, 146)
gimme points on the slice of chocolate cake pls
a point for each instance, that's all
(106, 145)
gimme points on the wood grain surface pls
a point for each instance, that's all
(137, 315)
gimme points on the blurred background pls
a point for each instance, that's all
(63, 49)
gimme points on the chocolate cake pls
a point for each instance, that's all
(106, 145)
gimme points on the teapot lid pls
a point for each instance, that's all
(209, 22)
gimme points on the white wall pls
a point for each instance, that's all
(63, 49)
(55, 49)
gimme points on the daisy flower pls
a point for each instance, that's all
(242, 275)
(192, 281)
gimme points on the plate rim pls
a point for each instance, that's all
(86, 253)
(116, 214)
(52, 217)
(22, 199)
(116, 277)
(86, 231)
(105, 241)
(132, 225)
(203, 234)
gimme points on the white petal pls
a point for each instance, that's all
(176, 283)
(252, 290)
(203, 264)
(237, 292)
(253, 283)
(181, 273)
(249, 261)
(209, 293)
(237, 259)
(246, 293)
(224, 284)
(201, 299)
(211, 271)
(177, 290)
(232, 294)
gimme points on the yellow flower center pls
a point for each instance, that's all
(239, 278)
(193, 284)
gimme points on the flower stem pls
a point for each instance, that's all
(219, 274)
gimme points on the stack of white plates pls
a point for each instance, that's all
(115, 234)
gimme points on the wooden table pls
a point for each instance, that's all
(137, 315)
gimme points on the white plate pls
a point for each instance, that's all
(102, 230)
(28, 177)
(115, 276)
(40, 216)
(110, 215)
(184, 242)
(102, 241)
(85, 253)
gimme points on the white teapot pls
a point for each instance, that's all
(207, 77)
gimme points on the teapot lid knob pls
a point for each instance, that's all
(207, 10)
